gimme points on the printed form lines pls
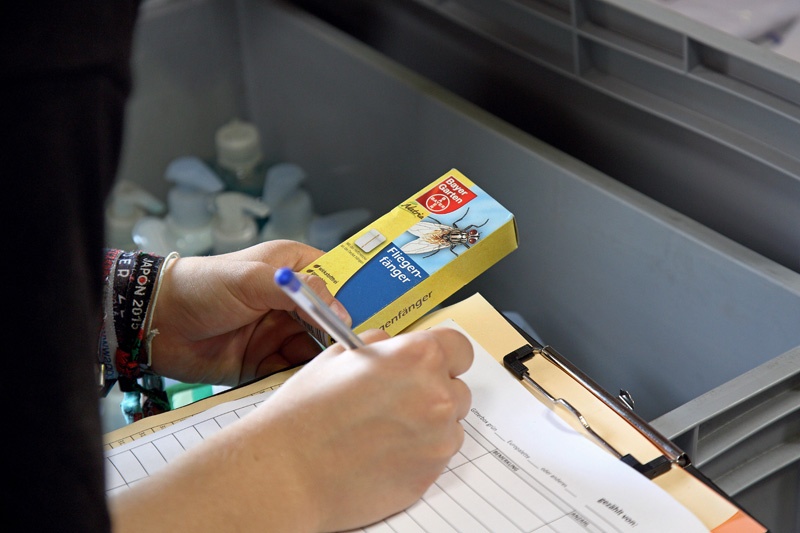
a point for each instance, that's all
(483, 491)
(140, 461)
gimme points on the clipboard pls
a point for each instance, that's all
(647, 451)
(577, 399)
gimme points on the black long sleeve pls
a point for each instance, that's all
(64, 81)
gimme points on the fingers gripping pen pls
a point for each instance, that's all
(308, 300)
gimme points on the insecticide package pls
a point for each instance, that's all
(411, 259)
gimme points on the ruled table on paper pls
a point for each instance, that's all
(521, 468)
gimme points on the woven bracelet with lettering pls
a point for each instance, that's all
(107, 339)
(132, 279)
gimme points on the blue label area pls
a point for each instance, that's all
(378, 283)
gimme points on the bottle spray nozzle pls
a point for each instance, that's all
(282, 180)
(192, 172)
(128, 203)
(190, 199)
(235, 210)
(129, 200)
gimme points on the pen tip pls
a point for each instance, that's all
(284, 276)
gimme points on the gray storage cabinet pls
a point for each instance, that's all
(653, 166)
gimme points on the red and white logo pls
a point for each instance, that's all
(446, 196)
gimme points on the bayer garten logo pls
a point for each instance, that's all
(437, 203)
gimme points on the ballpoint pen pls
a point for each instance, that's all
(308, 300)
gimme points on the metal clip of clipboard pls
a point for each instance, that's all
(671, 454)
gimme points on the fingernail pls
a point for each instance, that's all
(341, 312)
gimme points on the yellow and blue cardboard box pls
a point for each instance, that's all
(411, 259)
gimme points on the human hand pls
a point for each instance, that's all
(377, 425)
(354, 437)
(222, 319)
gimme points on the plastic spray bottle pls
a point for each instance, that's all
(191, 205)
(292, 214)
(187, 226)
(239, 160)
(235, 227)
(291, 208)
(128, 203)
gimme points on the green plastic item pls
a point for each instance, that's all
(181, 394)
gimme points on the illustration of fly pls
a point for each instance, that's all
(435, 236)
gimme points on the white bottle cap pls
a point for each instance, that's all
(238, 146)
